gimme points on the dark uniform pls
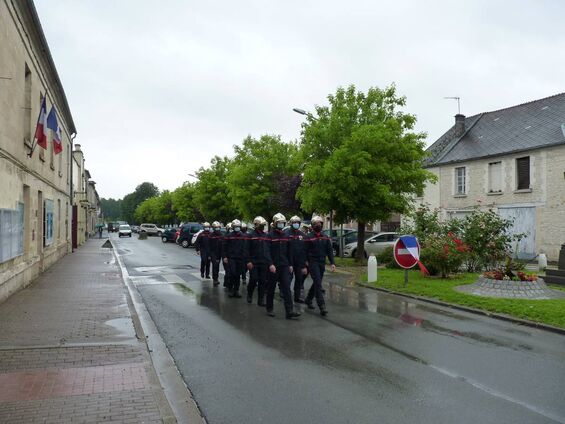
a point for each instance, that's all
(202, 246)
(260, 257)
(215, 244)
(318, 247)
(282, 259)
(298, 247)
(244, 273)
(234, 249)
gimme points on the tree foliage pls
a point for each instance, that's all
(156, 210)
(211, 195)
(263, 177)
(131, 201)
(363, 161)
(184, 204)
(111, 209)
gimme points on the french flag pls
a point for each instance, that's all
(53, 124)
(41, 128)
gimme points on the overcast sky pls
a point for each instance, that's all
(157, 88)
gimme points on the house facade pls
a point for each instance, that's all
(35, 183)
(512, 161)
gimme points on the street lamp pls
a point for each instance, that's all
(300, 111)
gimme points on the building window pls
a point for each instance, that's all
(48, 209)
(495, 177)
(523, 173)
(27, 106)
(11, 233)
(460, 181)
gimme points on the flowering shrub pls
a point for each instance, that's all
(443, 253)
(499, 274)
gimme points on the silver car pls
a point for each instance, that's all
(373, 245)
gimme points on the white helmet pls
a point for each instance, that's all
(259, 220)
(295, 219)
(216, 224)
(228, 226)
(279, 218)
(317, 218)
(236, 223)
(206, 224)
(244, 225)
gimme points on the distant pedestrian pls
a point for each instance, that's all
(245, 234)
(100, 229)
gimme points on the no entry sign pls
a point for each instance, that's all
(407, 251)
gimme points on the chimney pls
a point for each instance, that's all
(77, 147)
(459, 125)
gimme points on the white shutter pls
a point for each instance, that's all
(495, 176)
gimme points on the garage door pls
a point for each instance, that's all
(524, 223)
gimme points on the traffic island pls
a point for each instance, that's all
(488, 287)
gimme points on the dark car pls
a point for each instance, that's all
(170, 234)
(186, 232)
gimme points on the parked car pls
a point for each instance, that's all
(374, 245)
(348, 238)
(170, 234)
(151, 230)
(186, 233)
(135, 228)
(124, 231)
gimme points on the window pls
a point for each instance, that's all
(495, 177)
(48, 223)
(27, 106)
(460, 181)
(523, 173)
(11, 233)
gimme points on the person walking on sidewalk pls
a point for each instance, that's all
(234, 251)
(202, 246)
(280, 268)
(258, 261)
(100, 229)
(215, 245)
(318, 247)
(298, 247)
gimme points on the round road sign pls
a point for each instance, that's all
(406, 251)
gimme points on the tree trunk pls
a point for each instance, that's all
(360, 253)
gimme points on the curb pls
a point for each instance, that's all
(174, 391)
(496, 315)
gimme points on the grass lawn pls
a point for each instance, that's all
(550, 311)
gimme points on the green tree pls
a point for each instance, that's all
(211, 192)
(184, 204)
(262, 171)
(132, 200)
(111, 209)
(363, 161)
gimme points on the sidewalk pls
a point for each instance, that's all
(68, 350)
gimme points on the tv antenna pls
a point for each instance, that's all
(458, 103)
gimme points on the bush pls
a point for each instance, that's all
(386, 258)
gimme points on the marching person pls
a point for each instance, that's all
(234, 252)
(245, 234)
(280, 267)
(215, 243)
(258, 261)
(298, 247)
(318, 247)
(202, 246)
(227, 285)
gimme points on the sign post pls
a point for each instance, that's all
(407, 254)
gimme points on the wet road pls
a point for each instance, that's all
(375, 358)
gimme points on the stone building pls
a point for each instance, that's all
(35, 186)
(511, 160)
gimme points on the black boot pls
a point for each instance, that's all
(216, 283)
(291, 315)
(323, 310)
(298, 300)
(270, 312)
(261, 301)
(309, 304)
(249, 298)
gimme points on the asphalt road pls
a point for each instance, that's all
(375, 358)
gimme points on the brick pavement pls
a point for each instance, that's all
(68, 351)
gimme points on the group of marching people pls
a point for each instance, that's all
(272, 256)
